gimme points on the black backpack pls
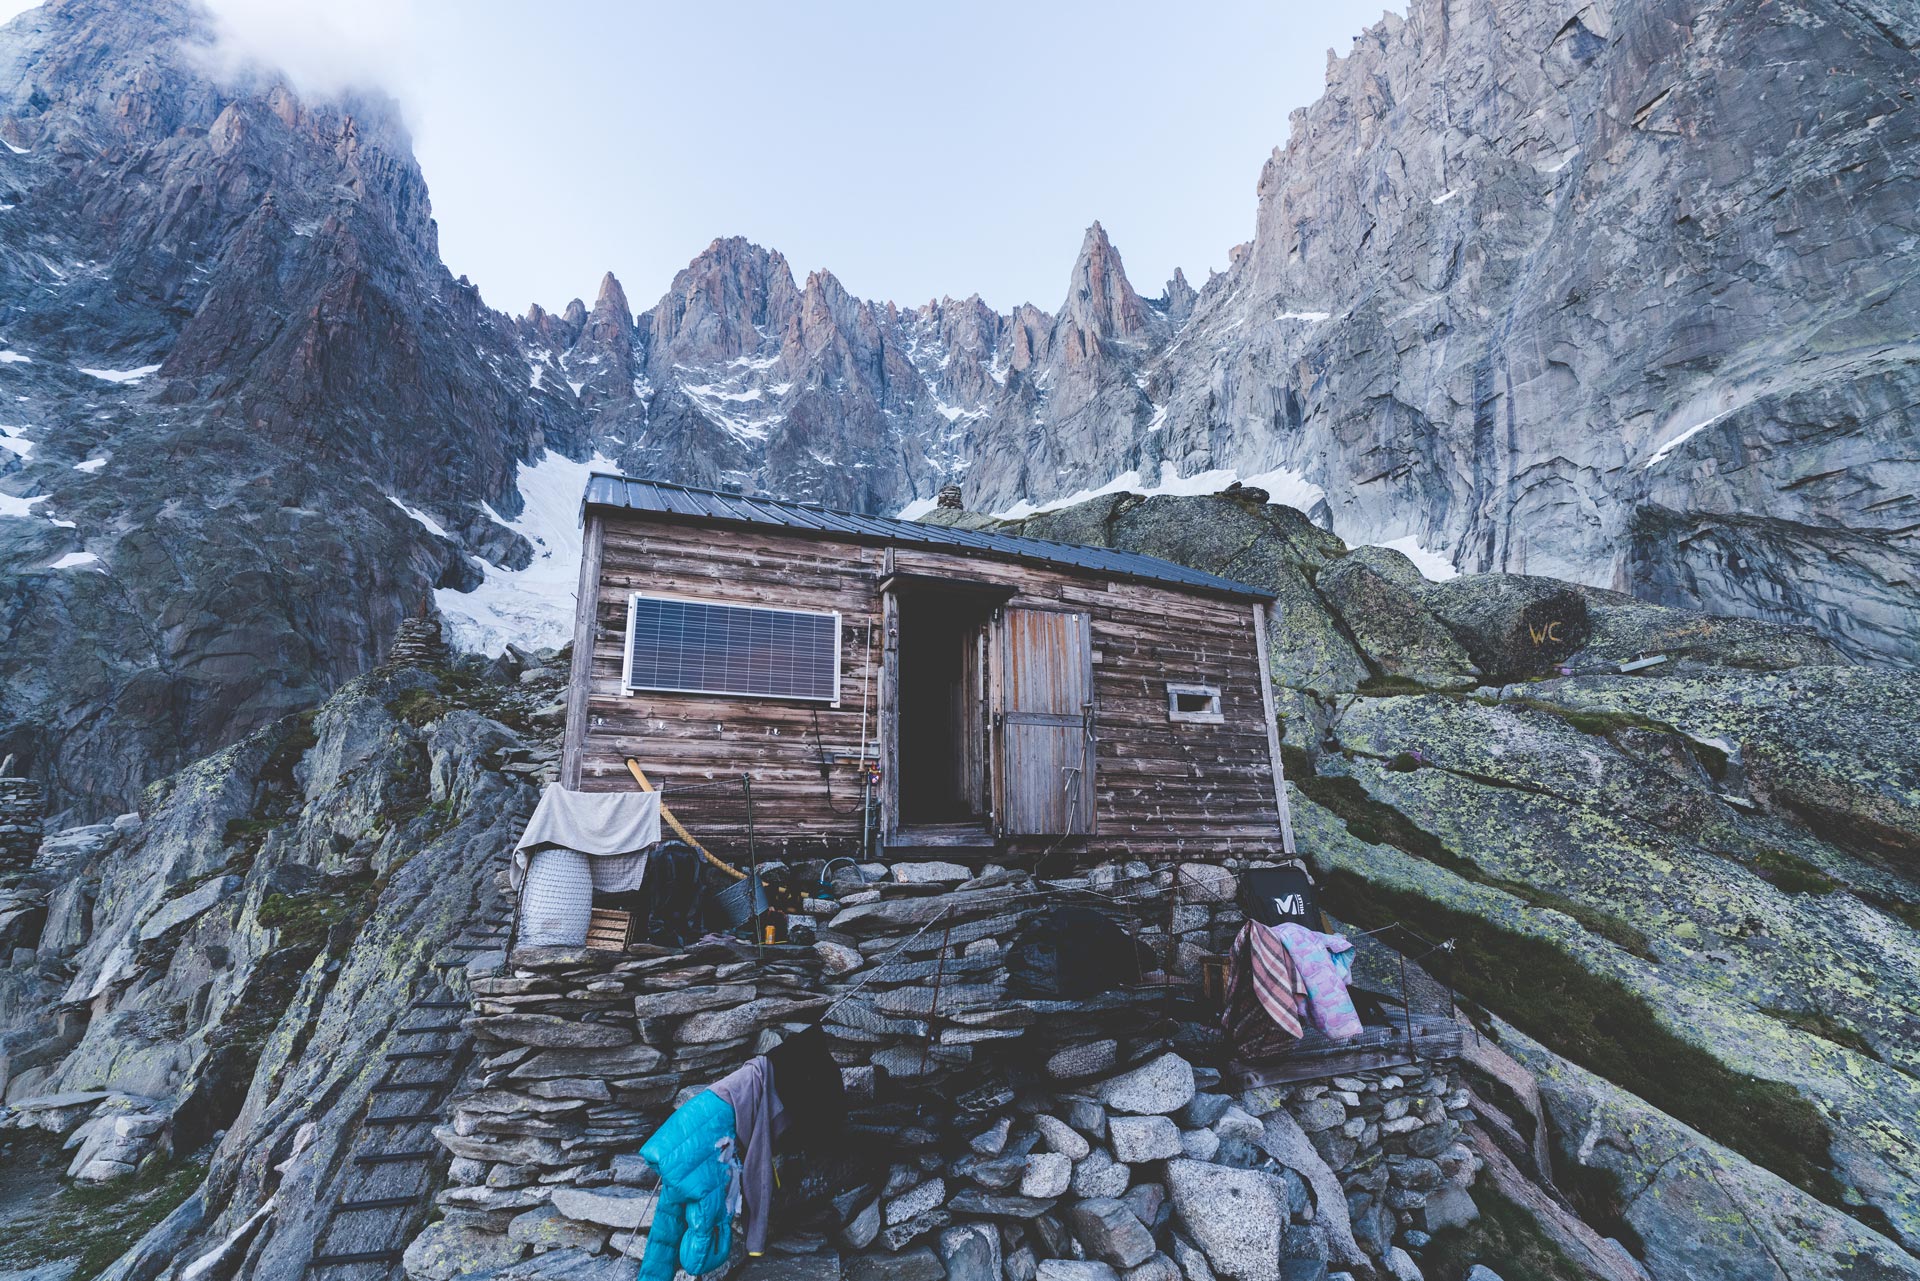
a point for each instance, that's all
(1276, 895)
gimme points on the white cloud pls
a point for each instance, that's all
(323, 49)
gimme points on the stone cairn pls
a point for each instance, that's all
(22, 814)
(991, 1135)
(419, 643)
(949, 498)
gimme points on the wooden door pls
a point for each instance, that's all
(1045, 722)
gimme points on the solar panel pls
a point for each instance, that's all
(676, 645)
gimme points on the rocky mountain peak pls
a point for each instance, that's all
(1177, 299)
(1101, 304)
(721, 306)
(603, 362)
(610, 304)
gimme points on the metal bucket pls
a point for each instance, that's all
(741, 901)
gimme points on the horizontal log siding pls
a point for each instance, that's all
(693, 740)
(1162, 789)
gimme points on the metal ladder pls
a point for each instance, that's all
(400, 1136)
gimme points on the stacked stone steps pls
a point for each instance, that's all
(22, 813)
(377, 1249)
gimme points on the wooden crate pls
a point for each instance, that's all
(609, 930)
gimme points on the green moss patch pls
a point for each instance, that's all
(304, 920)
(464, 684)
(1378, 823)
(419, 707)
(1898, 909)
(1506, 1239)
(1607, 724)
(92, 1225)
(1390, 686)
(1603, 1026)
(1792, 874)
(1826, 1028)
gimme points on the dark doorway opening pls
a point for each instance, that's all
(943, 710)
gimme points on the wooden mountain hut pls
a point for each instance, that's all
(902, 689)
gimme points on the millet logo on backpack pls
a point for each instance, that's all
(1291, 905)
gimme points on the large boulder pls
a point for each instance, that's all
(1383, 613)
(1159, 1087)
(1513, 626)
(1532, 749)
(1625, 629)
(1234, 1216)
(1832, 744)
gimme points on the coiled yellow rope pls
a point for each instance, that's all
(681, 831)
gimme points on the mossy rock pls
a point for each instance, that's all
(1625, 629)
(1513, 744)
(1833, 745)
(1513, 626)
(1708, 993)
(1395, 632)
(1694, 1208)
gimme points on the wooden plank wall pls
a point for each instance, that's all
(690, 739)
(1162, 789)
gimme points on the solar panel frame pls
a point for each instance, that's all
(766, 661)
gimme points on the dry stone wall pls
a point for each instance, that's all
(992, 1134)
(22, 808)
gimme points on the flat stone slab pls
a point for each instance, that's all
(178, 911)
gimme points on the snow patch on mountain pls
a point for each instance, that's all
(1129, 482)
(425, 521)
(120, 375)
(532, 607)
(1433, 566)
(1283, 485)
(22, 507)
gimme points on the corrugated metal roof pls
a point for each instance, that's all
(687, 502)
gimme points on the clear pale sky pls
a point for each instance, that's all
(914, 149)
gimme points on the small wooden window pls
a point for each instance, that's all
(1194, 703)
(676, 645)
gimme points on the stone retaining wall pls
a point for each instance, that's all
(992, 1135)
(22, 809)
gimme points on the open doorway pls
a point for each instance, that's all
(943, 764)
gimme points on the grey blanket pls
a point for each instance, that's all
(602, 824)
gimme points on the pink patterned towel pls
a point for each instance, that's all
(1324, 977)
